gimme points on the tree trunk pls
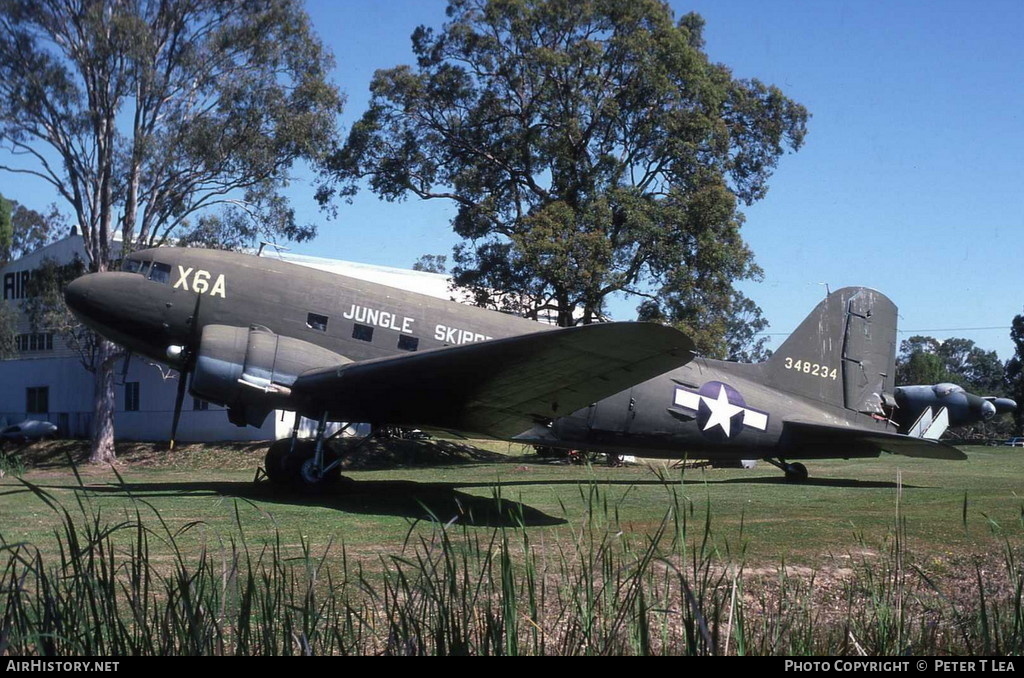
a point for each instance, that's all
(103, 404)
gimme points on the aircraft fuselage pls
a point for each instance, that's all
(706, 409)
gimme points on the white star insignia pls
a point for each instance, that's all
(722, 411)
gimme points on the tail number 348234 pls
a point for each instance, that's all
(807, 367)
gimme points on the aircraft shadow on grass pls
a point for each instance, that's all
(413, 500)
(423, 501)
(820, 482)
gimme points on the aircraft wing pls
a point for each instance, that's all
(837, 440)
(499, 387)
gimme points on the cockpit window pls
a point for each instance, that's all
(144, 268)
(160, 273)
(132, 265)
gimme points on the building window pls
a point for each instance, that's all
(315, 321)
(200, 405)
(131, 396)
(34, 341)
(160, 273)
(37, 399)
(362, 332)
(407, 343)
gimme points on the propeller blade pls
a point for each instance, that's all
(186, 368)
(124, 366)
(178, 400)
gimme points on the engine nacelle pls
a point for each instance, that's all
(250, 370)
(962, 408)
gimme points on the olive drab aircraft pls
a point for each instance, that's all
(256, 334)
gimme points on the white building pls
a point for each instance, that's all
(47, 380)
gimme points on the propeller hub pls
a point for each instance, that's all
(175, 353)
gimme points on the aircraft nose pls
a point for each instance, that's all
(99, 299)
(76, 295)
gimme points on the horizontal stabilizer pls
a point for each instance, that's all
(499, 387)
(820, 441)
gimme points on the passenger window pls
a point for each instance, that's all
(362, 332)
(160, 273)
(315, 321)
(407, 343)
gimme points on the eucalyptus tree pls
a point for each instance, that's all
(591, 147)
(148, 116)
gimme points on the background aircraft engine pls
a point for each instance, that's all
(250, 370)
(961, 408)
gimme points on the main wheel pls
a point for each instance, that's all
(796, 472)
(283, 465)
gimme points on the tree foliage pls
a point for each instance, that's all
(44, 305)
(590, 146)
(143, 113)
(1015, 371)
(6, 229)
(926, 360)
(22, 231)
(146, 114)
(431, 263)
(26, 230)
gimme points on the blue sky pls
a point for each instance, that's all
(910, 180)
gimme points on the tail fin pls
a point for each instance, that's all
(843, 353)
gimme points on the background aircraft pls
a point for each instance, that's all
(258, 334)
(927, 411)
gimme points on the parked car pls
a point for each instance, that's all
(30, 429)
(1015, 442)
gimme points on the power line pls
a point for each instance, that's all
(937, 329)
(957, 329)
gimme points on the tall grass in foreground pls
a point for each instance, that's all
(130, 587)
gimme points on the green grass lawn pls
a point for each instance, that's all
(184, 553)
(847, 507)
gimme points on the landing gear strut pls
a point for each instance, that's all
(307, 463)
(795, 471)
(291, 463)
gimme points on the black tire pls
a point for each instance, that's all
(280, 468)
(796, 472)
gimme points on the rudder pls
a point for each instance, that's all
(843, 353)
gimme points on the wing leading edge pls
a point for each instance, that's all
(808, 441)
(499, 387)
